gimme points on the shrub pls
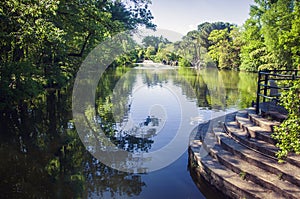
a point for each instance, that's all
(184, 62)
(288, 133)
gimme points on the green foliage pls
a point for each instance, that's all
(155, 42)
(288, 133)
(268, 40)
(253, 51)
(270, 37)
(206, 28)
(157, 49)
(133, 56)
(166, 52)
(225, 48)
(184, 62)
(195, 45)
(150, 52)
(276, 23)
(53, 167)
(42, 43)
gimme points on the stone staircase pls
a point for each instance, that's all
(241, 159)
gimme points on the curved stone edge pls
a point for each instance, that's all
(224, 180)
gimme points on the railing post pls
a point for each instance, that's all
(264, 76)
(266, 86)
(257, 93)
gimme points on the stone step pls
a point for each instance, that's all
(294, 159)
(262, 141)
(230, 183)
(261, 134)
(273, 111)
(252, 173)
(275, 115)
(253, 130)
(232, 128)
(263, 122)
(257, 120)
(286, 171)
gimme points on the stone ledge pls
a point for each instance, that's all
(235, 154)
(228, 182)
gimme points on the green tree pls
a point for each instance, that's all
(166, 52)
(289, 39)
(42, 43)
(206, 28)
(276, 23)
(195, 45)
(27, 37)
(253, 52)
(150, 52)
(270, 36)
(225, 48)
(154, 41)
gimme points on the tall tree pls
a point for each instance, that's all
(195, 44)
(43, 42)
(225, 48)
(254, 52)
(154, 41)
(206, 28)
(276, 23)
(270, 36)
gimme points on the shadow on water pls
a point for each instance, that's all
(208, 191)
(42, 156)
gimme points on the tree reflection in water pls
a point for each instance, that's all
(42, 156)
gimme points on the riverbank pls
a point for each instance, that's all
(241, 159)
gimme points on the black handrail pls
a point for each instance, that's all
(265, 76)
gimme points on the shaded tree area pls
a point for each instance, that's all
(45, 158)
(44, 42)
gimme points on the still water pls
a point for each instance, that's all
(141, 110)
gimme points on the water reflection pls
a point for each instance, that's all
(43, 157)
(150, 100)
(146, 106)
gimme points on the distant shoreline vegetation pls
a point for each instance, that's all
(267, 40)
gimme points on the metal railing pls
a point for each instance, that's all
(268, 86)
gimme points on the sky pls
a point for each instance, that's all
(185, 15)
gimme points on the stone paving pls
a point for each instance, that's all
(236, 154)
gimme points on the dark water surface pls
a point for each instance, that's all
(42, 155)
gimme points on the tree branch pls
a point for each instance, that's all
(82, 49)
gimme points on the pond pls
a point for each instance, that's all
(148, 111)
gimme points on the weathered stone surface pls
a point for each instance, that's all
(241, 159)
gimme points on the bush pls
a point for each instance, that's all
(288, 133)
(184, 62)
